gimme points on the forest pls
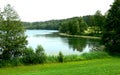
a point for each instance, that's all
(48, 25)
(89, 24)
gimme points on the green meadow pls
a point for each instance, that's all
(105, 66)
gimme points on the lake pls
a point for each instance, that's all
(53, 43)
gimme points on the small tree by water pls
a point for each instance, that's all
(28, 56)
(60, 57)
(40, 54)
(31, 57)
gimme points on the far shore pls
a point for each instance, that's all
(79, 36)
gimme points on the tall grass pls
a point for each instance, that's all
(94, 55)
(84, 56)
(52, 59)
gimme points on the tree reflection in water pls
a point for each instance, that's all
(80, 44)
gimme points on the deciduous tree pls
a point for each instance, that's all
(12, 38)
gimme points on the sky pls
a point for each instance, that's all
(43, 10)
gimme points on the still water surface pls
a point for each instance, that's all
(53, 43)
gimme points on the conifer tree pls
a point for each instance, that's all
(111, 35)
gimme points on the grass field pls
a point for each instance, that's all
(106, 66)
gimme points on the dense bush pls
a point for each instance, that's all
(40, 54)
(60, 57)
(12, 62)
(29, 56)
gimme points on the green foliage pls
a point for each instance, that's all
(60, 57)
(70, 58)
(49, 25)
(73, 26)
(52, 59)
(95, 23)
(12, 38)
(29, 56)
(94, 55)
(111, 35)
(40, 54)
(11, 63)
(99, 21)
(64, 27)
(90, 25)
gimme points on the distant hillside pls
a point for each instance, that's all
(49, 25)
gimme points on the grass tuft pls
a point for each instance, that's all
(95, 55)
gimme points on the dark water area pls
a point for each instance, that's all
(53, 43)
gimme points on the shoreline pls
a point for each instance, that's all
(78, 36)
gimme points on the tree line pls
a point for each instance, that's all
(89, 24)
(49, 25)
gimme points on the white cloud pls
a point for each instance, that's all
(40, 10)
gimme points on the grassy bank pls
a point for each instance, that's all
(106, 66)
(79, 36)
(60, 58)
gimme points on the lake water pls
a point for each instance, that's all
(53, 43)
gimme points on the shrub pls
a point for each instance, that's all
(60, 57)
(11, 62)
(29, 56)
(40, 54)
(16, 62)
